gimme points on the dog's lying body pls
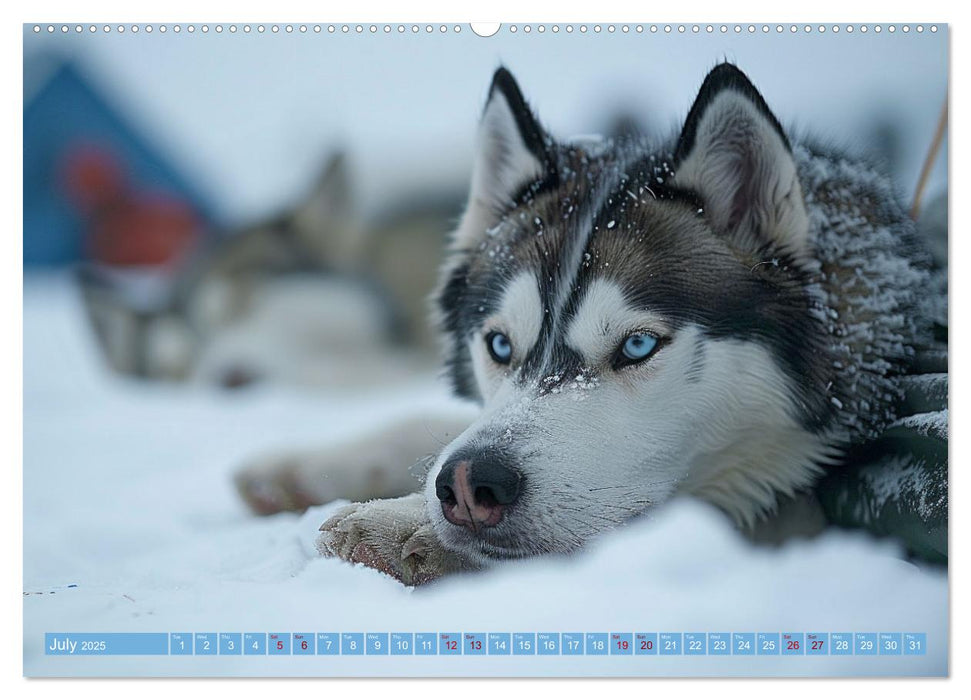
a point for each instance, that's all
(721, 317)
(312, 297)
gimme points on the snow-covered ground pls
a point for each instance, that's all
(131, 524)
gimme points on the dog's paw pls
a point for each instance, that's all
(357, 471)
(390, 535)
(275, 484)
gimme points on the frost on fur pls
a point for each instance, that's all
(872, 283)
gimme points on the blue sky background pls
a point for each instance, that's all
(249, 118)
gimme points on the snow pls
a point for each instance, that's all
(131, 524)
(931, 424)
(933, 385)
(908, 482)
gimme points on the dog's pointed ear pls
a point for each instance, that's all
(511, 151)
(330, 197)
(734, 154)
(324, 222)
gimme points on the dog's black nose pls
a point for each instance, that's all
(476, 489)
(237, 377)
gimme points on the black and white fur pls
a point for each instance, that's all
(782, 284)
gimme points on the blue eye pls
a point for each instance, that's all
(637, 347)
(499, 347)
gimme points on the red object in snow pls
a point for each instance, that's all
(126, 227)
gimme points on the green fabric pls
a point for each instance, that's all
(896, 485)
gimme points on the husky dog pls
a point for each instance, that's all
(296, 298)
(721, 316)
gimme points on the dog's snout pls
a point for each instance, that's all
(475, 492)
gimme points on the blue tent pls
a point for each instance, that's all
(64, 112)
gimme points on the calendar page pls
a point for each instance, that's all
(485, 350)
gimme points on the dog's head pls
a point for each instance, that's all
(635, 322)
(203, 314)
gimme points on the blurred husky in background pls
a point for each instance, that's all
(310, 297)
(734, 314)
